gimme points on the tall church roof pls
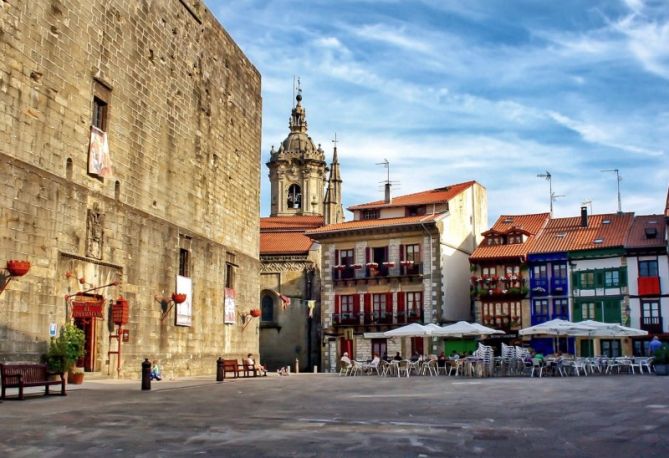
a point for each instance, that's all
(298, 143)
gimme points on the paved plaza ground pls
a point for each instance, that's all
(323, 415)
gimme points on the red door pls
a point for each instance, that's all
(347, 347)
(88, 326)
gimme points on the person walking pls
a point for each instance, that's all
(654, 345)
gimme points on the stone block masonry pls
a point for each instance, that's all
(182, 114)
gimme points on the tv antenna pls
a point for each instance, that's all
(551, 195)
(386, 164)
(618, 180)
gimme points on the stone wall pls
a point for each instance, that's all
(183, 126)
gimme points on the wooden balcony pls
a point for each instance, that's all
(652, 324)
(351, 275)
(377, 318)
(649, 286)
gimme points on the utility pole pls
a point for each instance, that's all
(551, 196)
(618, 180)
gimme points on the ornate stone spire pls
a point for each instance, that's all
(334, 210)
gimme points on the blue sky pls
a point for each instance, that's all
(493, 91)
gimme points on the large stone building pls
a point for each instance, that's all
(129, 152)
(401, 260)
(290, 277)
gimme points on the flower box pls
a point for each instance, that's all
(372, 265)
(407, 263)
(389, 264)
(18, 268)
(178, 298)
(357, 266)
(340, 267)
(495, 278)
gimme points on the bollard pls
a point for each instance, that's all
(315, 369)
(220, 374)
(297, 366)
(146, 374)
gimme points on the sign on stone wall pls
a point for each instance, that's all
(230, 314)
(87, 306)
(185, 309)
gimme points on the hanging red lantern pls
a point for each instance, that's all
(18, 268)
(120, 311)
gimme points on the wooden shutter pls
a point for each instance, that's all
(623, 276)
(400, 301)
(401, 253)
(576, 280)
(337, 305)
(578, 312)
(336, 261)
(599, 279)
(368, 304)
(356, 305)
(368, 255)
(389, 303)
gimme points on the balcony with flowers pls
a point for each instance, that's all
(494, 286)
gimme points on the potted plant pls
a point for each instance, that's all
(65, 350)
(661, 360)
(18, 268)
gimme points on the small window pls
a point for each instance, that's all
(294, 197)
(229, 276)
(648, 268)
(371, 214)
(651, 232)
(99, 114)
(588, 311)
(587, 280)
(598, 241)
(267, 308)
(611, 278)
(184, 262)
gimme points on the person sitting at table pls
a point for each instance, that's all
(441, 359)
(454, 355)
(397, 357)
(345, 360)
(385, 357)
(416, 357)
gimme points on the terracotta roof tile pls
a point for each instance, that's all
(374, 223)
(637, 237)
(284, 243)
(433, 196)
(290, 222)
(567, 234)
(531, 224)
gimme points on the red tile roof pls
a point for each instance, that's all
(290, 222)
(285, 234)
(284, 243)
(566, 234)
(510, 223)
(433, 196)
(363, 224)
(636, 238)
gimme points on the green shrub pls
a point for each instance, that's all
(661, 355)
(66, 349)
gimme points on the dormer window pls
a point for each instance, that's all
(598, 241)
(371, 214)
(651, 232)
(294, 197)
(415, 211)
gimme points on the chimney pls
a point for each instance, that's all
(584, 216)
(387, 196)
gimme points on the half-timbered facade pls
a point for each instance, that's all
(399, 261)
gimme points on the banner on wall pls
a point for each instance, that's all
(99, 159)
(185, 309)
(230, 314)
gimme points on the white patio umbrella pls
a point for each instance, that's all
(465, 329)
(599, 329)
(555, 327)
(410, 330)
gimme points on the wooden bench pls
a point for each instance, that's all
(230, 365)
(26, 375)
(248, 370)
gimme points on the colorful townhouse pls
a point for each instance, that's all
(399, 261)
(648, 280)
(499, 277)
(578, 271)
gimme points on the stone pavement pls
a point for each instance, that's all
(323, 415)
